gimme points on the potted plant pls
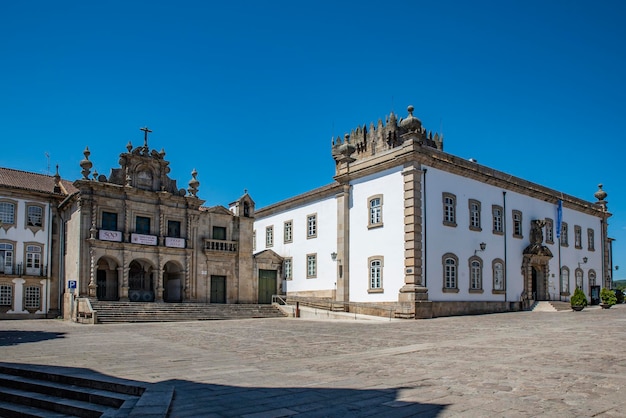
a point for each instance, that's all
(578, 300)
(608, 298)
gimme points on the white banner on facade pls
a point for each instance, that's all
(143, 239)
(175, 242)
(110, 235)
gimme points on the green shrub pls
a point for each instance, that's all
(608, 297)
(578, 298)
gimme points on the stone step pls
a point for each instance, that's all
(52, 403)
(11, 410)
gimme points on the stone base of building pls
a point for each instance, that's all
(441, 309)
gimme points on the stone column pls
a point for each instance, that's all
(159, 284)
(343, 244)
(122, 291)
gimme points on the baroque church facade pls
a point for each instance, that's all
(407, 226)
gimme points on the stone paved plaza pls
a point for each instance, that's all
(526, 364)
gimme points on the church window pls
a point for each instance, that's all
(564, 280)
(496, 212)
(578, 239)
(311, 266)
(376, 274)
(476, 274)
(592, 278)
(449, 209)
(375, 211)
(142, 225)
(517, 224)
(549, 231)
(590, 240)
(474, 215)
(311, 225)
(109, 221)
(269, 236)
(564, 240)
(450, 263)
(498, 276)
(288, 231)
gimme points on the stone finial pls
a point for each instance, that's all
(129, 146)
(86, 164)
(57, 181)
(193, 183)
(95, 174)
(600, 194)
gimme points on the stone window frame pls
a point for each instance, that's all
(311, 226)
(380, 259)
(564, 284)
(449, 209)
(591, 245)
(110, 211)
(578, 237)
(254, 240)
(471, 266)
(372, 222)
(32, 297)
(497, 223)
(311, 269)
(549, 227)
(30, 248)
(474, 215)
(13, 245)
(564, 239)
(269, 236)
(592, 277)
(6, 295)
(579, 274)
(42, 208)
(181, 224)
(288, 272)
(288, 231)
(454, 287)
(494, 290)
(517, 217)
(5, 223)
(145, 216)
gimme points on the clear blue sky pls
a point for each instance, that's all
(250, 93)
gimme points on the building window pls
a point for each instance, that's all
(565, 280)
(173, 229)
(109, 221)
(7, 213)
(219, 232)
(592, 278)
(579, 278)
(33, 260)
(449, 209)
(450, 263)
(476, 274)
(474, 215)
(34, 216)
(578, 238)
(269, 236)
(311, 226)
(6, 258)
(549, 231)
(288, 231)
(32, 297)
(375, 211)
(498, 276)
(288, 268)
(254, 240)
(564, 235)
(517, 224)
(142, 225)
(591, 246)
(496, 212)
(6, 295)
(311, 266)
(375, 265)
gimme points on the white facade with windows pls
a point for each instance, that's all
(411, 225)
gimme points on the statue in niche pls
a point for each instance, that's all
(536, 231)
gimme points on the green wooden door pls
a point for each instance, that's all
(267, 285)
(218, 289)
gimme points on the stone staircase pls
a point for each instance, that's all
(112, 312)
(550, 306)
(42, 391)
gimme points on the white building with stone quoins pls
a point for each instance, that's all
(408, 226)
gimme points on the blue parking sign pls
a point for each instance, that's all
(71, 284)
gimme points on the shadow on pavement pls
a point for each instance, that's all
(21, 337)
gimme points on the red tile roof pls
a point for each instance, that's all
(25, 180)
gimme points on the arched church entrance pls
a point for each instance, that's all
(107, 279)
(173, 279)
(140, 281)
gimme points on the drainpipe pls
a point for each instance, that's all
(425, 261)
(49, 259)
(506, 264)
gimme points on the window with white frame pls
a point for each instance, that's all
(375, 211)
(449, 209)
(564, 280)
(375, 265)
(498, 276)
(32, 297)
(311, 226)
(592, 277)
(6, 295)
(288, 268)
(34, 216)
(7, 213)
(591, 246)
(517, 224)
(476, 274)
(33, 260)
(269, 236)
(311, 266)
(474, 215)
(6, 258)
(578, 238)
(496, 212)
(450, 263)
(579, 278)
(288, 231)
(564, 240)
(549, 231)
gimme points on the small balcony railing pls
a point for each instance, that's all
(220, 245)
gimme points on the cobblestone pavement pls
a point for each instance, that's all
(525, 364)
